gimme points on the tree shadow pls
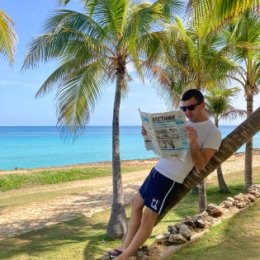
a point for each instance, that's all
(51, 239)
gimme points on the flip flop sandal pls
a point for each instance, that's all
(115, 253)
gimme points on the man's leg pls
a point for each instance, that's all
(137, 206)
(144, 231)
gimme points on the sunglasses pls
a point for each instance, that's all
(190, 107)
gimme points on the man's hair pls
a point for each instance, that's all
(193, 93)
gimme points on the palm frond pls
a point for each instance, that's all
(77, 96)
(8, 37)
(233, 113)
(110, 14)
(68, 20)
(214, 14)
(64, 2)
(171, 7)
(84, 36)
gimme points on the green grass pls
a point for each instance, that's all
(17, 181)
(85, 238)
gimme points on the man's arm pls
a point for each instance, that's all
(200, 157)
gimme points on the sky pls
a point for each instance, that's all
(18, 105)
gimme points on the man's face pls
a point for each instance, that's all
(193, 111)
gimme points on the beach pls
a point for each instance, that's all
(232, 164)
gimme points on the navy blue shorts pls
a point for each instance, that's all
(157, 190)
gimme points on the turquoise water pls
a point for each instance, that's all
(32, 147)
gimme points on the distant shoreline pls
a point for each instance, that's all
(43, 147)
(135, 162)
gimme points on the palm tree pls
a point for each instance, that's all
(219, 107)
(201, 64)
(229, 145)
(94, 48)
(8, 37)
(191, 60)
(243, 40)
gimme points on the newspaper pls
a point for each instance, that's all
(166, 135)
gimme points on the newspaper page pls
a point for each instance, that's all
(166, 135)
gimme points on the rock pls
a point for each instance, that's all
(255, 193)
(161, 239)
(185, 231)
(214, 211)
(162, 236)
(142, 253)
(227, 204)
(240, 197)
(172, 229)
(251, 197)
(177, 239)
(231, 200)
(241, 205)
(199, 221)
(177, 226)
(189, 221)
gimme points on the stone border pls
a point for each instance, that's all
(188, 231)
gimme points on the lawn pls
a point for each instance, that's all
(45, 177)
(85, 238)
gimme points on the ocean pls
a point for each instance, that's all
(42, 146)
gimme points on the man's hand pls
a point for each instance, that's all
(143, 131)
(192, 135)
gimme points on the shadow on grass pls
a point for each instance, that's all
(55, 242)
(85, 238)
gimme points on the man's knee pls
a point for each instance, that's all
(137, 202)
(149, 216)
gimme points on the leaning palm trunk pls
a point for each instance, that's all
(203, 196)
(228, 146)
(117, 225)
(249, 147)
(223, 188)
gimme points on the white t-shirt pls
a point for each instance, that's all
(175, 169)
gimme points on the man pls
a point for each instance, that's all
(168, 174)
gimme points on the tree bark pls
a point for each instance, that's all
(248, 176)
(117, 225)
(203, 196)
(228, 146)
(223, 188)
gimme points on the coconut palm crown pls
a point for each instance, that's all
(219, 104)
